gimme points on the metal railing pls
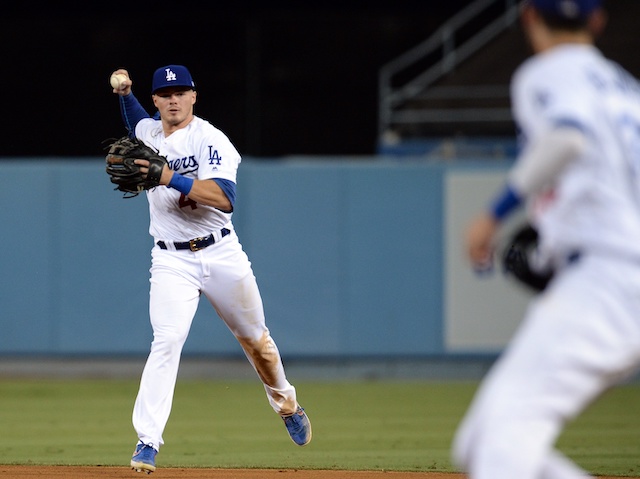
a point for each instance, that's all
(393, 100)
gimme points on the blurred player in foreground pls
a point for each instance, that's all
(579, 172)
(196, 253)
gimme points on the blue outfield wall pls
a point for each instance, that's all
(348, 254)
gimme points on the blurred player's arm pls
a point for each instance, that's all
(538, 165)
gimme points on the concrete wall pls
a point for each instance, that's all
(354, 257)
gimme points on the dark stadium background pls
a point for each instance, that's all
(279, 78)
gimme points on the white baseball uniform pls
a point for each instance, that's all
(221, 272)
(582, 334)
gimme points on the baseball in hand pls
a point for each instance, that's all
(117, 79)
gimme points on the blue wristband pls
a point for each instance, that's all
(507, 201)
(181, 183)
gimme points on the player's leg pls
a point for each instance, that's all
(574, 343)
(505, 433)
(557, 466)
(173, 301)
(233, 291)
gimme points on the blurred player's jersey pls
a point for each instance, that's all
(575, 85)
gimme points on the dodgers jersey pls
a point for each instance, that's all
(594, 204)
(199, 151)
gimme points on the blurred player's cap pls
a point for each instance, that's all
(172, 76)
(569, 9)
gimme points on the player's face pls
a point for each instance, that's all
(175, 105)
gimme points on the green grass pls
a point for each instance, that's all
(359, 425)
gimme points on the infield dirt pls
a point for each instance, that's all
(104, 472)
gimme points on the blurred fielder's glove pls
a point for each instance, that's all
(125, 174)
(517, 259)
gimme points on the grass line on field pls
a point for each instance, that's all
(361, 425)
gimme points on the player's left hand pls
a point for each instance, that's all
(480, 238)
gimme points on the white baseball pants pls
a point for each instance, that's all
(223, 274)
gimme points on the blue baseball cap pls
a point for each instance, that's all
(172, 76)
(569, 9)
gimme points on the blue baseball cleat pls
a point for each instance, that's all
(144, 458)
(298, 427)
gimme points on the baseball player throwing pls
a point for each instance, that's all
(579, 172)
(196, 252)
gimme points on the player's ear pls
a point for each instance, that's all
(532, 25)
(597, 22)
(527, 14)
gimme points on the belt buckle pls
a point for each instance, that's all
(193, 246)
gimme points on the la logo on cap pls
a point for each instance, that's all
(170, 75)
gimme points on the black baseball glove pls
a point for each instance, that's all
(125, 174)
(516, 259)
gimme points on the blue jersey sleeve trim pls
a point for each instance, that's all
(229, 188)
(505, 203)
(132, 112)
